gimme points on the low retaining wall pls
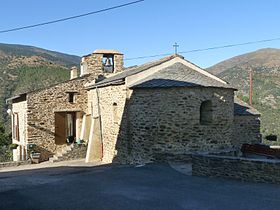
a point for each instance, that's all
(245, 169)
(166, 157)
(14, 163)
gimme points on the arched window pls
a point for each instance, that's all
(206, 112)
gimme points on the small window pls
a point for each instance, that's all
(71, 97)
(115, 112)
(16, 126)
(206, 113)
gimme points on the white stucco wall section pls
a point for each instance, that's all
(21, 109)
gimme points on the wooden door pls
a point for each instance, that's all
(60, 128)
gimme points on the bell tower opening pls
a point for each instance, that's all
(108, 63)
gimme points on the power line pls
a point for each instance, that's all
(69, 18)
(206, 49)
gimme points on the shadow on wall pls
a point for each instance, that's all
(145, 132)
(162, 124)
(42, 129)
(45, 154)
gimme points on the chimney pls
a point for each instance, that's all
(83, 66)
(74, 72)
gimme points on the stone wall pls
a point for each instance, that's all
(246, 130)
(164, 122)
(14, 163)
(156, 124)
(118, 61)
(112, 103)
(41, 108)
(93, 64)
(245, 169)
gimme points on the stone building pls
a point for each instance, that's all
(47, 117)
(164, 109)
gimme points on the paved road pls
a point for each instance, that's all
(154, 186)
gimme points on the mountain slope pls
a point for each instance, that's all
(8, 50)
(25, 68)
(267, 59)
(265, 65)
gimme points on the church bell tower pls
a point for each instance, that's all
(102, 63)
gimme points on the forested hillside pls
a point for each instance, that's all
(26, 68)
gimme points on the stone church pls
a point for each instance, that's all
(165, 109)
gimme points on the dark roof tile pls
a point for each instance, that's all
(243, 109)
(178, 75)
(131, 71)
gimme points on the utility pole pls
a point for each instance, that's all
(251, 87)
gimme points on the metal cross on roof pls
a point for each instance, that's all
(176, 48)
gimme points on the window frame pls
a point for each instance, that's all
(72, 96)
(206, 112)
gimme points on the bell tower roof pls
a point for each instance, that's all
(104, 51)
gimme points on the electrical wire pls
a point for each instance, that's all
(206, 49)
(70, 18)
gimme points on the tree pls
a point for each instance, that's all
(5, 139)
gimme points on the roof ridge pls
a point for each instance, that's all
(182, 75)
(166, 58)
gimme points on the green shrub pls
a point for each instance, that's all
(13, 146)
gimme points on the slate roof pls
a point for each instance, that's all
(44, 88)
(243, 109)
(178, 75)
(131, 71)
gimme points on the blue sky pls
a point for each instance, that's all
(147, 28)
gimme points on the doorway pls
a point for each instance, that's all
(65, 127)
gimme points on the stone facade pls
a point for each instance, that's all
(165, 122)
(245, 169)
(156, 124)
(246, 130)
(42, 106)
